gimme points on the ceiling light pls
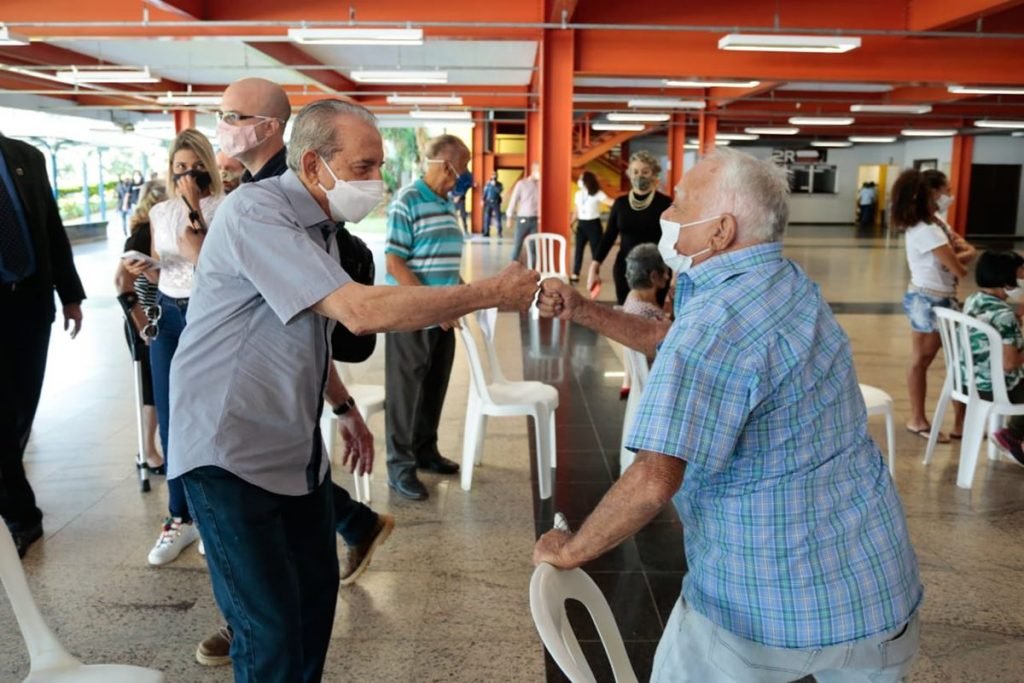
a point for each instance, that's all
(985, 90)
(113, 75)
(650, 118)
(425, 99)
(721, 142)
(831, 86)
(999, 124)
(197, 100)
(400, 76)
(928, 132)
(665, 103)
(8, 38)
(772, 130)
(821, 120)
(689, 145)
(1018, 134)
(891, 108)
(831, 143)
(711, 84)
(872, 138)
(617, 126)
(449, 115)
(735, 136)
(356, 36)
(775, 42)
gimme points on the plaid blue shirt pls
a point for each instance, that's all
(795, 535)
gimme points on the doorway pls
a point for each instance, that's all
(995, 194)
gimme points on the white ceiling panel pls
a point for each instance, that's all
(836, 87)
(197, 61)
(587, 82)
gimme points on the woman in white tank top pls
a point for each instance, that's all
(587, 212)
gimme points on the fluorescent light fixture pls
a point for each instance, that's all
(691, 146)
(777, 42)
(694, 144)
(649, 118)
(735, 136)
(999, 124)
(11, 39)
(400, 76)
(112, 75)
(617, 126)
(196, 100)
(985, 90)
(928, 132)
(425, 99)
(891, 108)
(832, 86)
(711, 84)
(448, 115)
(665, 103)
(772, 130)
(356, 36)
(872, 138)
(831, 143)
(1018, 134)
(821, 120)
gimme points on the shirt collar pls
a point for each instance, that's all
(275, 166)
(307, 210)
(425, 190)
(718, 269)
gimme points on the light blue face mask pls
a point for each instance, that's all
(679, 263)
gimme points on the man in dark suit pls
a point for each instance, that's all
(35, 259)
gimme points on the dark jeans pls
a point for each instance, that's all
(274, 568)
(161, 351)
(1016, 422)
(23, 348)
(589, 231)
(491, 211)
(353, 521)
(867, 215)
(524, 227)
(418, 366)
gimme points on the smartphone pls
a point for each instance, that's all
(133, 255)
(595, 290)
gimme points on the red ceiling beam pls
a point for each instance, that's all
(290, 55)
(933, 15)
(562, 10)
(726, 96)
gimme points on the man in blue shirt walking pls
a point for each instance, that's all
(753, 424)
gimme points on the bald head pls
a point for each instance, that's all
(259, 96)
(254, 112)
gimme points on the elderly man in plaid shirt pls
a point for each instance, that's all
(753, 424)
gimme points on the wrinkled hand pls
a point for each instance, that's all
(190, 243)
(593, 276)
(73, 314)
(358, 457)
(558, 299)
(551, 548)
(517, 287)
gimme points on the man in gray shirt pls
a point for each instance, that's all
(247, 392)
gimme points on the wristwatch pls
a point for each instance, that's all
(346, 405)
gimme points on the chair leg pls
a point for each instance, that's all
(479, 455)
(471, 439)
(890, 437)
(974, 430)
(552, 446)
(995, 423)
(542, 425)
(940, 414)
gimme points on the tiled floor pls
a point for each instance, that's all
(446, 598)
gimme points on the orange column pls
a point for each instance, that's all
(960, 181)
(534, 131)
(557, 59)
(707, 130)
(184, 118)
(676, 142)
(479, 172)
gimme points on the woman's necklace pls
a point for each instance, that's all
(640, 204)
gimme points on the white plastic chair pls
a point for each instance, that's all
(547, 253)
(880, 403)
(549, 589)
(49, 661)
(369, 401)
(637, 370)
(955, 329)
(504, 398)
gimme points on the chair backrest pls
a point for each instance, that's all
(956, 330)
(486, 320)
(548, 253)
(549, 589)
(636, 366)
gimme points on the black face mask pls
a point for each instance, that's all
(203, 179)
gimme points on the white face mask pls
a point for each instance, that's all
(679, 263)
(1015, 295)
(943, 202)
(352, 201)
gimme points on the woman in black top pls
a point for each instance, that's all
(636, 216)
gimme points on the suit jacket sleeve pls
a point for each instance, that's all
(65, 277)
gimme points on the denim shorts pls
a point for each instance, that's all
(920, 309)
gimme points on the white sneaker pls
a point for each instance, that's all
(175, 537)
(202, 548)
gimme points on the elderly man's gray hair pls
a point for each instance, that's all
(756, 192)
(313, 129)
(641, 263)
(438, 146)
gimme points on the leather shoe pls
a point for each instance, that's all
(25, 537)
(409, 487)
(440, 465)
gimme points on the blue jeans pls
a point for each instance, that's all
(274, 568)
(161, 351)
(491, 211)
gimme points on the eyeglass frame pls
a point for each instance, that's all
(232, 118)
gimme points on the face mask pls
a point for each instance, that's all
(1015, 295)
(237, 140)
(944, 202)
(641, 184)
(677, 262)
(203, 178)
(463, 182)
(352, 201)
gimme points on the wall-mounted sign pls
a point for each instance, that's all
(790, 156)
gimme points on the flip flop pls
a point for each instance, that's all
(926, 432)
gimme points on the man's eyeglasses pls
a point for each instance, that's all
(233, 118)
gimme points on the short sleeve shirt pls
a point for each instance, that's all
(1000, 315)
(588, 206)
(248, 377)
(422, 230)
(168, 220)
(925, 270)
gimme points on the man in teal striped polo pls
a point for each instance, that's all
(424, 248)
